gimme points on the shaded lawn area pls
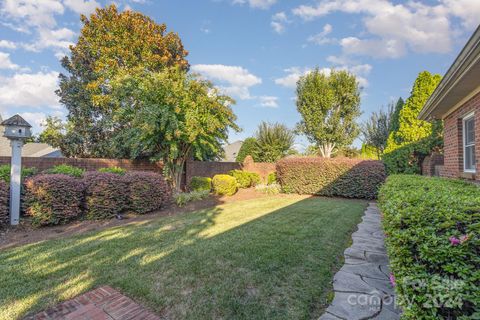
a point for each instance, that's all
(264, 258)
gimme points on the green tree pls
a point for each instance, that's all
(407, 147)
(274, 141)
(53, 132)
(248, 148)
(170, 116)
(395, 118)
(329, 106)
(109, 42)
(376, 129)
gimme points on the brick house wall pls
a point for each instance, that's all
(453, 140)
(431, 164)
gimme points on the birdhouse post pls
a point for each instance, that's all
(17, 130)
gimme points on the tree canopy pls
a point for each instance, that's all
(273, 142)
(329, 106)
(248, 148)
(170, 116)
(109, 42)
(376, 129)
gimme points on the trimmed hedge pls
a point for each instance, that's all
(432, 228)
(245, 179)
(147, 191)
(4, 200)
(200, 184)
(66, 169)
(343, 177)
(106, 194)
(53, 198)
(224, 184)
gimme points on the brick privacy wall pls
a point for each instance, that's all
(88, 164)
(453, 140)
(430, 162)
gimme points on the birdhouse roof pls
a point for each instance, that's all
(16, 120)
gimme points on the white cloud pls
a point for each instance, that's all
(51, 38)
(268, 101)
(260, 4)
(321, 37)
(395, 29)
(279, 20)
(233, 80)
(6, 63)
(293, 74)
(80, 6)
(8, 44)
(33, 12)
(33, 90)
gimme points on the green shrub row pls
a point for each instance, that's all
(58, 198)
(245, 179)
(342, 177)
(432, 228)
(67, 170)
(5, 172)
(224, 184)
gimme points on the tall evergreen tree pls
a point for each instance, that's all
(109, 42)
(395, 118)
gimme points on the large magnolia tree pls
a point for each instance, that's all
(109, 42)
(170, 116)
(329, 106)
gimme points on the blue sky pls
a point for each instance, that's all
(254, 50)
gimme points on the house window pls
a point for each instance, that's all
(469, 143)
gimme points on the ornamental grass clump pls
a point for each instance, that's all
(342, 177)
(224, 184)
(53, 199)
(106, 194)
(66, 169)
(116, 170)
(181, 199)
(433, 242)
(147, 191)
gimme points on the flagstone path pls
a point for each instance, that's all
(362, 286)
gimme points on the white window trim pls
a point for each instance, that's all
(464, 134)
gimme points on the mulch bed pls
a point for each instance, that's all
(25, 233)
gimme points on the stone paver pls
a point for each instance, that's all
(103, 303)
(362, 286)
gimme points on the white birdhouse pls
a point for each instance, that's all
(16, 128)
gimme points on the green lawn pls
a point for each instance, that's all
(258, 259)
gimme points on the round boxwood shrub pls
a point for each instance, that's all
(106, 194)
(147, 191)
(245, 179)
(272, 178)
(4, 196)
(200, 184)
(224, 184)
(53, 198)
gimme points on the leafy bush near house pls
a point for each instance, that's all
(5, 172)
(106, 194)
(66, 169)
(272, 178)
(181, 199)
(147, 191)
(53, 198)
(116, 170)
(224, 184)
(245, 179)
(201, 184)
(270, 189)
(351, 178)
(432, 227)
(4, 196)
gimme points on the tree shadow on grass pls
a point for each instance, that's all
(273, 258)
